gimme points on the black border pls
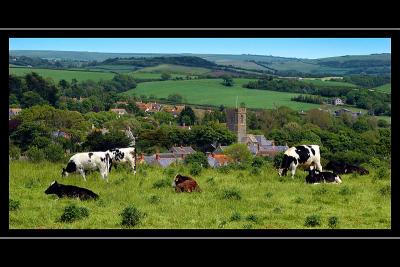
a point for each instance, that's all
(394, 34)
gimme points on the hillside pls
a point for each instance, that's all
(344, 65)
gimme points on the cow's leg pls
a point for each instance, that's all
(82, 172)
(133, 165)
(319, 166)
(293, 170)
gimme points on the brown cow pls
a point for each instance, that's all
(185, 184)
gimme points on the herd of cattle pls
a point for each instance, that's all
(307, 156)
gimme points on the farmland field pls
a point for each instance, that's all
(177, 69)
(212, 92)
(233, 200)
(386, 88)
(68, 75)
(329, 83)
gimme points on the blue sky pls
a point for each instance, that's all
(284, 47)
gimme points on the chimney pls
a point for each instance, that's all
(157, 156)
(141, 156)
(258, 147)
(212, 154)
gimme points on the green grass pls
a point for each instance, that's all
(386, 88)
(329, 83)
(212, 92)
(265, 202)
(68, 75)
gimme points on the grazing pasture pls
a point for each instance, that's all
(212, 92)
(235, 199)
(67, 75)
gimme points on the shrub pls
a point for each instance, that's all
(131, 216)
(321, 191)
(252, 218)
(197, 158)
(236, 216)
(154, 199)
(195, 169)
(298, 200)
(224, 169)
(35, 154)
(258, 162)
(247, 226)
(278, 159)
(161, 183)
(210, 181)
(333, 222)
(277, 210)
(54, 152)
(14, 152)
(385, 190)
(269, 194)
(312, 221)
(255, 171)
(13, 205)
(73, 213)
(231, 194)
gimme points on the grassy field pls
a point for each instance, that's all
(235, 200)
(212, 92)
(68, 75)
(386, 88)
(176, 69)
(329, 83)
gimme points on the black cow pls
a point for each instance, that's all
(315, 177)
(185, 184)
(70, 191)
(344, 168)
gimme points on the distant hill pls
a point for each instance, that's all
(282, 66)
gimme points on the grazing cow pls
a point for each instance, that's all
(185, 184)
(70, 191)
(89, 161)
(344, 168)
(315, 177)
(304, 155)
(123, 155)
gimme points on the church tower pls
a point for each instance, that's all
(236, 122)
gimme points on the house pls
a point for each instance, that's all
(149, 107)
(174, 110)
(218, 160)
(337, 101)
(12, 112)
(159, 159)
(122, 103)
(220, 150)
(345, 110)
(119, 111)
(182, 151)
(260, 146)
(59, 133)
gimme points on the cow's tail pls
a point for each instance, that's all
(108, 163)
(135, 159)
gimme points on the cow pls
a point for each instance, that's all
(304, 155)
(185, 184)
(89, 161)
(344, 168)
(70, 191)
(315, 177)
(124, 155)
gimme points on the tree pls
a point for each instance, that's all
(239, 153)
(187, 116)
(31, 98)
(197, 158)
(175, 98)
(165, 76)
(26, 133)
(227, 80)
(164, 117)
(96, 141)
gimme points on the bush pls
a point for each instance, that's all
(252, 218)
(386, 190)
(312, 221)
(14, 152)
(161, 183)
(73, 213)
(195, 169)
(131, 216)
(381, 173)
(35, 154)
(333, 222)
(236, 216)
(13, 205)
(258, 162)
(154, 199)
(278, 159)
(345, 190)
(54, 152)
(231, 194)
(197, 158)
(255, 171)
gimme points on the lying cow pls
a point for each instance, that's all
(89, 161)
(344, 168)
(304, 155)
(70, 191)
(124, 155)
(315, 177)
(185, 184)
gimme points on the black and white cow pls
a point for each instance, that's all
(304, 155)
(345, 168)
(315, 177)
(124, 155)
(89, 161)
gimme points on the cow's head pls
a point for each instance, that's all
(64, 172)
(286, 162)
(52, 188)
(179, 179)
